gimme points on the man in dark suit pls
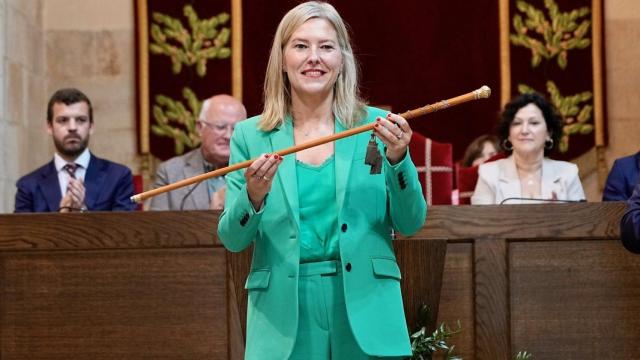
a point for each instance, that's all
(630, 223)
(216, 121)
(75, 180)
(623, 177)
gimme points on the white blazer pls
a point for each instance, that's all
(498, 181)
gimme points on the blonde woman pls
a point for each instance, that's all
(324, 282)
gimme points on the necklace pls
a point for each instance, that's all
(530, 180)
(307, 132)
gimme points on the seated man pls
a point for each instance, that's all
(624, 175)
(218, 116)
(75, 180)
(630, 223)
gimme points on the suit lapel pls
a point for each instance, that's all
(509, 182)
(344, 153)
(549, 181)
(282, 138)
(193, 167)
(93, 179)
(50, 187)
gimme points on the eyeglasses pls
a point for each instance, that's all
(218, 127)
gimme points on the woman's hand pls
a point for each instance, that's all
(395, 133)
(259, 177)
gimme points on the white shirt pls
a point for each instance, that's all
(63, 176)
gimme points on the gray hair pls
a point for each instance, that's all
(205, 107)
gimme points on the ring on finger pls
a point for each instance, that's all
(400, 135)
(266, 178)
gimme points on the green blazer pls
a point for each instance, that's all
(370, 207)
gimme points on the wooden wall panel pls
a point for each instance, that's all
(491, 292)
(153, 304)
(457, 298)
(112, 286)
(575, 299)
(491, 231)
(421, 265)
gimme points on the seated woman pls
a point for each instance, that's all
(529, 129)
(480, 150)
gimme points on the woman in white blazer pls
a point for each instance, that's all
(529, 130)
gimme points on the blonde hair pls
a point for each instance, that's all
(347, 105)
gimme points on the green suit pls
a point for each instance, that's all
(370, 206)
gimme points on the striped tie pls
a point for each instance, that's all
(71, 170)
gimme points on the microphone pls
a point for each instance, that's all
(184, 198)
(542, 200)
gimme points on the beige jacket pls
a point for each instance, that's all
(498, 182)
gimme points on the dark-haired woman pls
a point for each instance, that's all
(529, 131)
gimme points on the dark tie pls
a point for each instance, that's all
(71, 170)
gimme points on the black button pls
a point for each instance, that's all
(344, 227)
(348, 267)
(244, 219)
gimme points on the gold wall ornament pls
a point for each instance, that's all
(195, 47)
(576, 118)
(553, 36)
(175, 120)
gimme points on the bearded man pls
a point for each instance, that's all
(75, 180)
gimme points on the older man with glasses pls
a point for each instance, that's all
(215, 124)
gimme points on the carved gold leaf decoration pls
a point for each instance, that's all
(175, 120)
(550, 35)
(194, 47)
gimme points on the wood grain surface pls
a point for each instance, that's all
(553, 280)
(112, 286)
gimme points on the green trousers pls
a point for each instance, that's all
(324, 332)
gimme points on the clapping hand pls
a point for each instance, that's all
(73, 199)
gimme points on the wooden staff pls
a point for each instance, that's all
(481, 93)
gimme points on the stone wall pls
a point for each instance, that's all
(22, 95)
(89, 44)
(622, 31)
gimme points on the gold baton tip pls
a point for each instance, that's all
(483, 93)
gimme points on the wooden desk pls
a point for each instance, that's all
(553, 280)
(550, 279)
(112, 286)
